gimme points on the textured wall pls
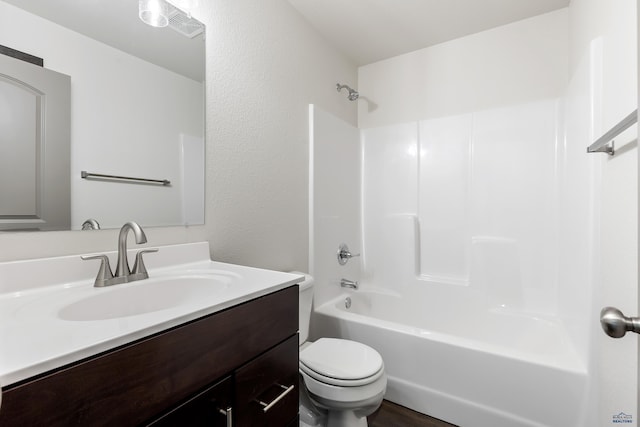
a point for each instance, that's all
(265, 64)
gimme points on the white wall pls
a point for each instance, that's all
(127, 117)
(513, 64)
(602, 91)
(265, 64)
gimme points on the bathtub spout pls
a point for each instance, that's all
(352, 284)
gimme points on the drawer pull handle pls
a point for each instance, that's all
(267, 406)
(227, 414)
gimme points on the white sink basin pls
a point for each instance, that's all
(144, 296)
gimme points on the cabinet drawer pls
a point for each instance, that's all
(267, 387)
(210, 408)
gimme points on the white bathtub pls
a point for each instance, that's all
(473, 369)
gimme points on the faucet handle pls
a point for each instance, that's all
(104, 272)
(344, 254)
(139, 271)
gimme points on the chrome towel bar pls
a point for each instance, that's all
(605, 144)
(89, 175)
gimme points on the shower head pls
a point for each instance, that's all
(353, 94)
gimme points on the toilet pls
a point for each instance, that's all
(341, 381)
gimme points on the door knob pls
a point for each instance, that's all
(615, 324)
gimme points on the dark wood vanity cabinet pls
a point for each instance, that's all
(237, 367)
(263, 392)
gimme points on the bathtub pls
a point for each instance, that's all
(483, 368)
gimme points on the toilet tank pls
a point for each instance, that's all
(304, 307)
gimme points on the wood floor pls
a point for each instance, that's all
(391, 415)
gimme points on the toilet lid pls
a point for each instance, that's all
(342, 359)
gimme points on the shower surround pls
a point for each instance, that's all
(459, 284)
(474, 198)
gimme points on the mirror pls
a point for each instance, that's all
(136, 108)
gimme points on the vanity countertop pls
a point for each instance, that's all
(41, 328)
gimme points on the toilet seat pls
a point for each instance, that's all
(340, 382)
(341, 362)
(340, 397)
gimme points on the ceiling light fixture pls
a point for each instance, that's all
(185, 5)
(154, 12)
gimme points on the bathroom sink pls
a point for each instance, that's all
(51, 314)
(143, 297)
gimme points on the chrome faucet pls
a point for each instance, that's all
(122, 267)
(123, 273)
(345, 283)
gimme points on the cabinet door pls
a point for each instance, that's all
(267, 387)
(211, 408)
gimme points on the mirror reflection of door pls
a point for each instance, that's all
(34, 147)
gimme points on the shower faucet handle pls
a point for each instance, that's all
(344, 255)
